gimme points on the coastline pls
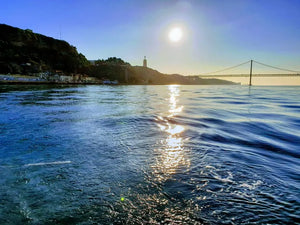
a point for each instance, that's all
(9, 79)
(18, 79)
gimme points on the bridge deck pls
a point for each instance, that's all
(247, 75)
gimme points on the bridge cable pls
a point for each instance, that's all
(278, 68)
(229, 68)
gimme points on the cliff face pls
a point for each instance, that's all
(25, 52)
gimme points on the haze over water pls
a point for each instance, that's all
(149, 154)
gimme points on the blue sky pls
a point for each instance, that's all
(216, 33)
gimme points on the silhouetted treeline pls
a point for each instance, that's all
(112, 69)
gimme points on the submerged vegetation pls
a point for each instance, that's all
(28, 53)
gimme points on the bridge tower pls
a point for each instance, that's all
(250, 81)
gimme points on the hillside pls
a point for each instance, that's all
(144, 75)
(25, 52)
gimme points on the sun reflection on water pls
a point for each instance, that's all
(174, 93)
(171, 156)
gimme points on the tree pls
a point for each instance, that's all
(83, 62)
(111, 61)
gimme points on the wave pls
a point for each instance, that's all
(48, 163)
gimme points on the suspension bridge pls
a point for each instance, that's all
(284, 72)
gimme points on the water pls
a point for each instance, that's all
(149, 155)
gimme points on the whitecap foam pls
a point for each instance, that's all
(251, 186)
(48, 163)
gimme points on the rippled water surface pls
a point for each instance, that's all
(149, 155)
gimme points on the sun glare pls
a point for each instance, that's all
(175, 34)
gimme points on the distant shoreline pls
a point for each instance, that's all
(19, 79)
(120, 84)
(42, 83)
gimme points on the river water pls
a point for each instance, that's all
(149, 155)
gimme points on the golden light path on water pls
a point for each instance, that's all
(170, 159)
(171, 154)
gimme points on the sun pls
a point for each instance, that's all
(175, 34)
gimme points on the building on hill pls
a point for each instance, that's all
(145, 62)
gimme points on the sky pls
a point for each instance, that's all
(215, 33)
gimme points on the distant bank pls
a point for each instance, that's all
(42, 59)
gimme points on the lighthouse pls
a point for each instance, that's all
(145, 62)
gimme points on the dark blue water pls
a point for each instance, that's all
(149, 155)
